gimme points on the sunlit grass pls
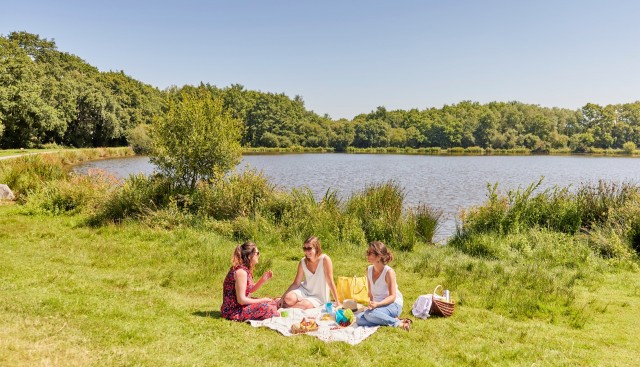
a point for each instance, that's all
(129, 294)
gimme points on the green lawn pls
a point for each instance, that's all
(72, 295)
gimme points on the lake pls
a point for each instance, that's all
(448, 183)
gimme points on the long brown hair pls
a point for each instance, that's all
(242, 254)
(379, 249)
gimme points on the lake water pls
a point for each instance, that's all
(448, 183)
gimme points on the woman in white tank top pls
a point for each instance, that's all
(316, 269)
(385, 300)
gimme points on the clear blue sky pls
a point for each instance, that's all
(348, 57)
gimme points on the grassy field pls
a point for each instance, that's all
(12, 152)
(130, 294)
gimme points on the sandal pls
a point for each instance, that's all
(406, 324)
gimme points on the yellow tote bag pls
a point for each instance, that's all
(355, 288)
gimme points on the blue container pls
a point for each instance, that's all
(329, 307)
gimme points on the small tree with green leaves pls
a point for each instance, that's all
(196, 139)
(629, 147)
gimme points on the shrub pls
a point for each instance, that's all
(138, 195)
(27, 174)
(629, 147)
(71, 196)
(235, 195)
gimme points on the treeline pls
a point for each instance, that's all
(48, 96)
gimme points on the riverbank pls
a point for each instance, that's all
(130, 294)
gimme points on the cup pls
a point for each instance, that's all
(329, 307)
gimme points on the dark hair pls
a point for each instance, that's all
(379, 249)
(315, 242)
(242, 254)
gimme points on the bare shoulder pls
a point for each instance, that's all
(391, 272)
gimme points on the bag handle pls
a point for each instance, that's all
(354, 281)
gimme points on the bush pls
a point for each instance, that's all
(629, 147)
(27, 174)
(236, 195)
(554, 208)
(71, 196)
(139, 139)
(137, 196)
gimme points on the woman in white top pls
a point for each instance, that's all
(317, 271)
(385, 300)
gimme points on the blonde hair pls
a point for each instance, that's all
(315, 242)
(242, 254)
(379, 249)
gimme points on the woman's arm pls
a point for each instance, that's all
(328, 274)
(296, 283)
(390, 279)
(263, 279)
(241, 288)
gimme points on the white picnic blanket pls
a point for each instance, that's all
(327, 330)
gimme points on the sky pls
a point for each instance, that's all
(349, 57)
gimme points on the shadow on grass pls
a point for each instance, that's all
(212, 314)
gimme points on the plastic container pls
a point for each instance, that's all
(446, 295)
(329, 308)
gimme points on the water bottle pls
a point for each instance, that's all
(445, 294)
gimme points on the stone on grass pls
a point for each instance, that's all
(6, 193)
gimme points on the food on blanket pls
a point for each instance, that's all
(326, 317)
(304, 326)
(345, 317)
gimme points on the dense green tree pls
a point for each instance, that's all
(343, 135)
(371, 133)
(26, 115)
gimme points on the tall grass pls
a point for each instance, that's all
(72, 195)
(247, 205)
(605, 212)
(27, 174)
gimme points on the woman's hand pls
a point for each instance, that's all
(267, 275)
(373, 304)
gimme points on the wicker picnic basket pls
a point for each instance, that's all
(440, 307)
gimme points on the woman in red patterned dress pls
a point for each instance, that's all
(238, 285)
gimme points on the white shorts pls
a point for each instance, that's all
(301, 294)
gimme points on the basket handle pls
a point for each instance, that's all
(436, 289)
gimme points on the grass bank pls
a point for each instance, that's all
(129, 294)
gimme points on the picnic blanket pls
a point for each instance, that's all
(328, 331)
